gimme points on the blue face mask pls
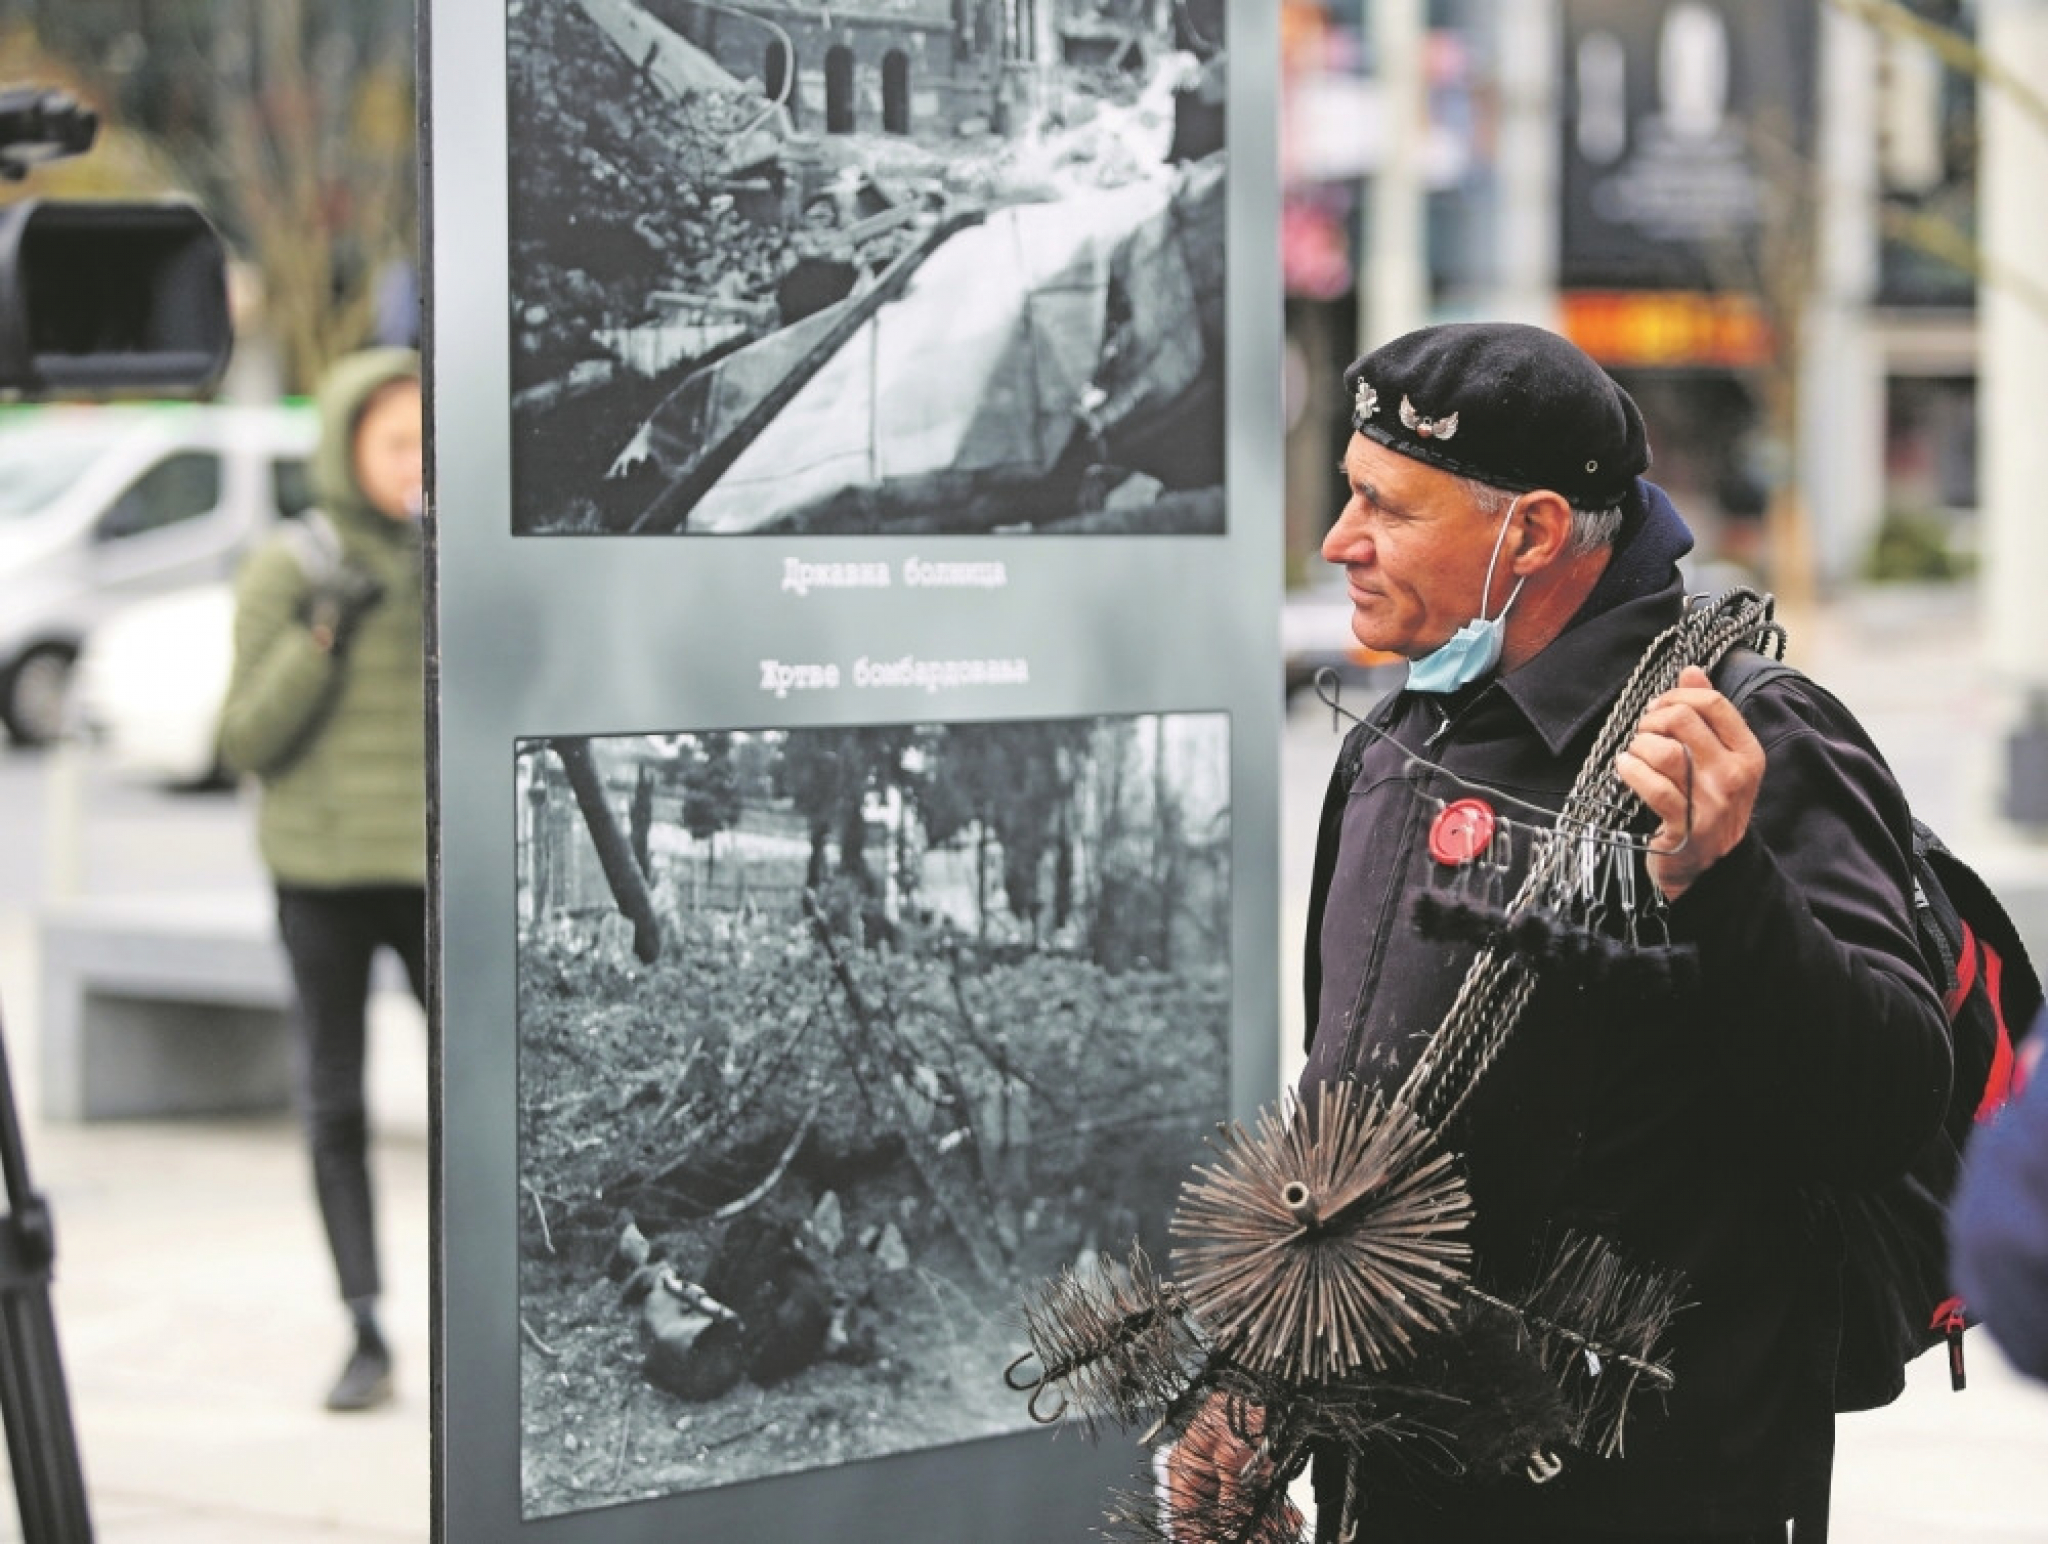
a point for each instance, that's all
(1474, 648)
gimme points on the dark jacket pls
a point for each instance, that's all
(337, 741)
(1681, 1127)
(1999, 1223)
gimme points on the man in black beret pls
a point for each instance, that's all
(1500, 536)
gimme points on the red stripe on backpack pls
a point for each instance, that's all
(1999, 1085)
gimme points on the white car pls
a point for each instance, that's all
(149, 685)
(103, 505)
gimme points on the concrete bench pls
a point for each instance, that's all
(167, 1006)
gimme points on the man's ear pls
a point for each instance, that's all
(1545, 521)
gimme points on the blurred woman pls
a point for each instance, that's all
(327, 709)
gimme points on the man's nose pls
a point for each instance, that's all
(1343, 540)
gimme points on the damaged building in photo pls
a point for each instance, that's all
(908, 68)
(936, 265)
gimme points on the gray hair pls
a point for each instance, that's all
(1592, 527)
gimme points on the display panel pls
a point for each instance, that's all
(1142, 616)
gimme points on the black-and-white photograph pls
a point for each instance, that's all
(784, 266)
(833, 1043)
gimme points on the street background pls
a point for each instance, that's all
(1808, 236)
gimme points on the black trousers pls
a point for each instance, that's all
(330, 937)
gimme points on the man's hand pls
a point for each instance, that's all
(1727, 770)
(1209, 1471)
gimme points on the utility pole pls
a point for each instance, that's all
(1527, 44)
(2012, 383)
(1841, 380)
(1393, 286)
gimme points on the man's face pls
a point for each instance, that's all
(387, 451)
(1414, 551)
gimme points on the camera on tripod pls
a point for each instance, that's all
(101, 296)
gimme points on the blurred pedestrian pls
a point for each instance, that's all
(1998, 1221)
(327, 709)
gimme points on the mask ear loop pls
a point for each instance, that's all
(1493, 562)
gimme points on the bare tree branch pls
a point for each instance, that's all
(1951, 48)
(1944, 240)
(732, 1209)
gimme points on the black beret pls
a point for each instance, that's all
(1514, 406)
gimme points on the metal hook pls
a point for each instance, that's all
(1589, 872)
(1544, 1467)
(1036, 1387)
(1660, 913)
(1010, 1378)
(1500, 858)
(1031, 1405)
(1624, 865)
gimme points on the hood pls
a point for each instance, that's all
(347, 386)
(1653, 537)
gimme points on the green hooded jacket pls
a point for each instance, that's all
(338, 742)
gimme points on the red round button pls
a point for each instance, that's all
(1461, 831)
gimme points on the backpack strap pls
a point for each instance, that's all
(316, 544)
(1743, 672)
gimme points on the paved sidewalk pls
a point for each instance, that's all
(197, 1319)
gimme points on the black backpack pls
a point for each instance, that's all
(1896, 1297)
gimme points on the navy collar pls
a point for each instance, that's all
(1638, 595)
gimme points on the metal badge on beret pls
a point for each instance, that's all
(1429, 428)
(1364, 403)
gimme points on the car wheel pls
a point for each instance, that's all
(32, 702)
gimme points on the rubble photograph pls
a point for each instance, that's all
(921, 266)
(833, 1043)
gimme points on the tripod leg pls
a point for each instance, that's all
(49, 1486)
